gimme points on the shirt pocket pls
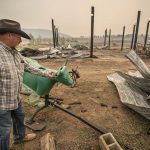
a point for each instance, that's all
(9, 71)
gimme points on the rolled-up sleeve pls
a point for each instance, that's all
(29, 68)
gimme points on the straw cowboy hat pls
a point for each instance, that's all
(11, 26)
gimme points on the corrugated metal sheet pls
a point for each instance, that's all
(134, 90)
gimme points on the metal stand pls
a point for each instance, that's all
(47, 103)
(56, 104)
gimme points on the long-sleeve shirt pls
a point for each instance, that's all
(12, 67)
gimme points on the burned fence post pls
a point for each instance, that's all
(145, 41)
(57, 37)
(137, 29)
(55, 34)
(105, 37)
(123, 38)
(109, 38)
(133, 35)
(92, 30)
(53, 30)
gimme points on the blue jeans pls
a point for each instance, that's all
(7, 119)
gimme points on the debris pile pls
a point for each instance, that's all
(27, 52)
(59, 52)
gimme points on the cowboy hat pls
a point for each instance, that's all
(12, 26)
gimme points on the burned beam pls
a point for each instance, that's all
(123, 38)
(109, 38)
(92, 30)
(145, 41)
(53, 30)
(137, 29)
(57, 37)
(133, 35)
(105, 37)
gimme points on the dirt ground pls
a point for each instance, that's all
(92, 89)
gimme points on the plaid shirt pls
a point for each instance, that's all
(12, 66)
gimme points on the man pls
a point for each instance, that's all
(12, 66)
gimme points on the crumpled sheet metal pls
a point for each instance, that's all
(138, 62)
(131, 89)
(130, 95)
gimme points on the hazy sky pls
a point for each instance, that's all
(73, 17)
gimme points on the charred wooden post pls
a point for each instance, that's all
(55, 34)
(123, 38)
(105, 37)
(53, 30)
(57, 37)
(145, 41)
(133, 35)
(137, 29)
(109, 38)
(92, 30)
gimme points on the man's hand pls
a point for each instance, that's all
(51, 75)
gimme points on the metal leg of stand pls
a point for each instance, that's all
(30, 120)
